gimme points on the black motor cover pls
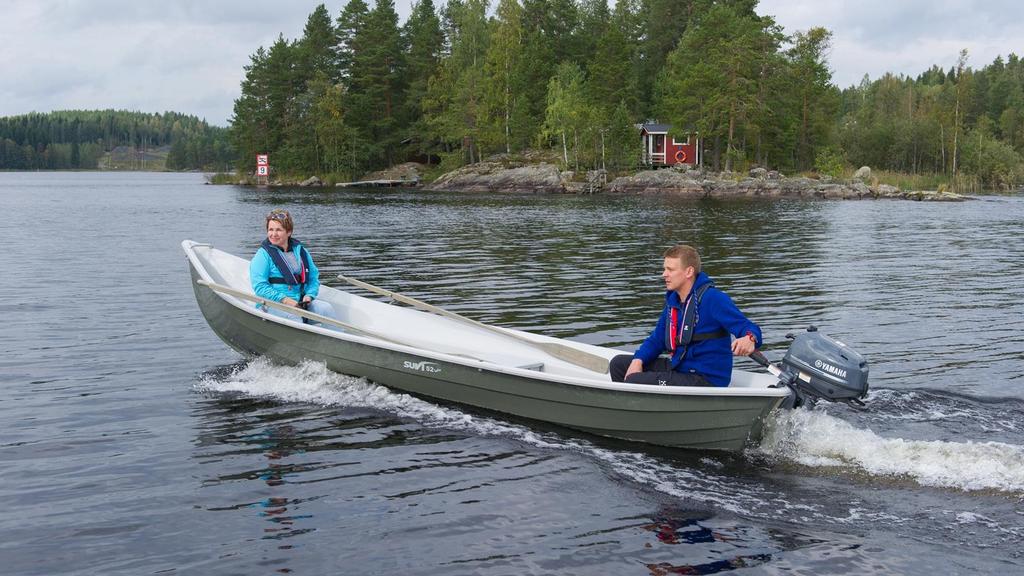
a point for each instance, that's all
(822, 367)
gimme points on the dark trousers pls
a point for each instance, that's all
(658, 372)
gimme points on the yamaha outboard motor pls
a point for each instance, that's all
(816, 366)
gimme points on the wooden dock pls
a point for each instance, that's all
(379, 184)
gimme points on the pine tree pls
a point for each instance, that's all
(612, 73)
(377, 76)
(712, 81)
(815, 97)
(665, 21)
(350, 22)
(453, 102)
(315, 53)
(423, 41)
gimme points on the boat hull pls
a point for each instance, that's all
(700, 421)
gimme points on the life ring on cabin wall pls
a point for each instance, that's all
(680, 156)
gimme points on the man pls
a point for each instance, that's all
(694, 330)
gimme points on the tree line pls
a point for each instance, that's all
(457, 83)
(960, 122)
(78, 139)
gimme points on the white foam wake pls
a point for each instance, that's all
(809, 438)
(813, 438)
(313, 383)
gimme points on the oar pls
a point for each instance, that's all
(297, 311)
(561, 351)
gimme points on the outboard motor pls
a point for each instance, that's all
(816, 366)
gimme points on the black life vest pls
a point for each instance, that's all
(288, 277)
(680, 336)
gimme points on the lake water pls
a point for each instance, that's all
(135, 442)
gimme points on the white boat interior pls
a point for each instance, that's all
(402, 328)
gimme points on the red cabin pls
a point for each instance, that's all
(659, 149)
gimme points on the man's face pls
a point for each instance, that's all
(675, 275)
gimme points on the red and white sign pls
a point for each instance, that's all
(262, 160)
(262, 170)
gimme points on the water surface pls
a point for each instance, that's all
(135, 442)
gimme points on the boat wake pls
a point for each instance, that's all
(812, 468)
(818, 440)
(811, 439)
(312, 382)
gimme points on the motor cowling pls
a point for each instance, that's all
(817, 366)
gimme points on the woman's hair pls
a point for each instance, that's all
(281, 216)
(687, 255)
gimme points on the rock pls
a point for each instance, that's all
(408, 172)
(491, 176)
(597, 180)
(658, 182)
(863, 173)
(311, 181)
(887, 191)
(758, 173)
(775, 175)
(860, 190)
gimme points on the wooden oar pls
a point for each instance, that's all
(561, 351)
(297, 311)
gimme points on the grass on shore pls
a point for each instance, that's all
(959, 184)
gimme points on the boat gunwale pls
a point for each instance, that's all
(743, 391)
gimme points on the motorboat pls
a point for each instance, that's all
(440, 355)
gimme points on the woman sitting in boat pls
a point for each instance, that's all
(694, 331)
(282, 270)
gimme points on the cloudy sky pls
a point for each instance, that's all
(187, 55)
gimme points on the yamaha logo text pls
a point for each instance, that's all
(424, 366)
(830, 369)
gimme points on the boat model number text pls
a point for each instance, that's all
(424, 366)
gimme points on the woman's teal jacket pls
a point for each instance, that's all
(262, 268)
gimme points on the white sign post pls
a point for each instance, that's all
(263, 168)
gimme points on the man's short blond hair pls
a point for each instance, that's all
(688, 255)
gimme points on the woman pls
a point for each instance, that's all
(282, 270)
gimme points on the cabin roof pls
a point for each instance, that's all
(655, 128)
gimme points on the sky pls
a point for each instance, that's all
(188, 55)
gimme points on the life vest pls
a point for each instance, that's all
(681, 336)
(287, 276)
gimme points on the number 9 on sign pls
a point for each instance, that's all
(261, 170)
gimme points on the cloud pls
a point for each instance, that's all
(904, 37)
(185, 56)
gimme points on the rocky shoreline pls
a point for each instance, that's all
(546, 178)
(499, 174)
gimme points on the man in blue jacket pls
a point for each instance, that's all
(695, 331)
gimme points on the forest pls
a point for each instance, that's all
(79, 139)
(468, 79)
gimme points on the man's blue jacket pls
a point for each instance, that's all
(710, 358)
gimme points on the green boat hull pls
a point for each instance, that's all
(698, 421)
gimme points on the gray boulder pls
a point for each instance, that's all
(495, 177)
